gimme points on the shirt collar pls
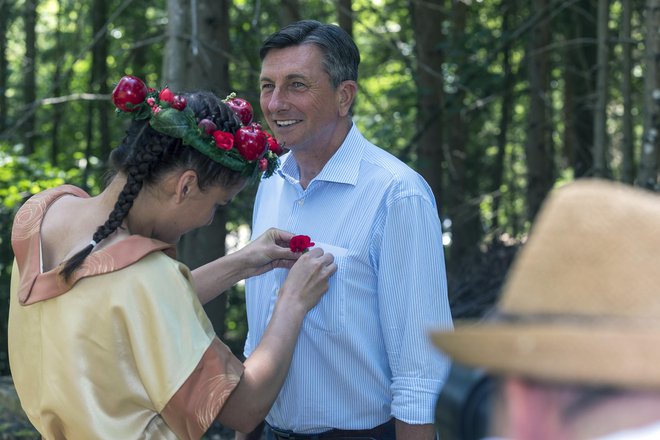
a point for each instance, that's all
(343, 166)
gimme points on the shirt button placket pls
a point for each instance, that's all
(295, 216)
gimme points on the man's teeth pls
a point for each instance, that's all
(285, 123)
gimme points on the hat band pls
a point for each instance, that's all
(567, 318)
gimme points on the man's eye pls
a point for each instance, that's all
(297, 85)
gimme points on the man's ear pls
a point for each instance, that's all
(346, 92)
(186, 185)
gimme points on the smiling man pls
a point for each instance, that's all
(363, 365)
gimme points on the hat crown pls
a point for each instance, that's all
(594, 250)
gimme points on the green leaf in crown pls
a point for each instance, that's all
(175, 123)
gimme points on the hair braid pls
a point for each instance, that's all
(139, 168)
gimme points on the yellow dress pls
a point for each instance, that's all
(123, 351)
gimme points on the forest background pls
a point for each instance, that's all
(494, 102)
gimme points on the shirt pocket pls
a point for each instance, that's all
(329, 314)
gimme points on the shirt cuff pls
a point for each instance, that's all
(414, 400)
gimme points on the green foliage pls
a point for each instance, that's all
(385, 109)
(14, 424)
(236, 320)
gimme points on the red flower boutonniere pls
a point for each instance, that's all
(300, 243)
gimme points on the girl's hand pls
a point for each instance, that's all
(308, 278)
(269, 251)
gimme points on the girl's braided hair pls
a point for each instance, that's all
(146, 155)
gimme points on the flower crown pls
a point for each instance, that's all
(247, 149)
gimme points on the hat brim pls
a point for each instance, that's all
(625, 356)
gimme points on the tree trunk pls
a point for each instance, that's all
(289, 12)
(100, 82)
(345, 15)
(196, 53)
(628, 155)
(539, 148)
(426, 20)
(5, 11)
(600, 147)
(97, 114)
(505, 115)
(648, 167)
(196, 58)
(139, 52)
(460, 194)
(29, 76)
(579, 86)
(57, 89)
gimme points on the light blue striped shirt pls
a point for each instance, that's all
(363, 354)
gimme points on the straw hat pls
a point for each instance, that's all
(582, 301)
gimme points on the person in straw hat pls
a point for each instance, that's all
(574, 342)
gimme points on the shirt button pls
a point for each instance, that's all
(301, 202)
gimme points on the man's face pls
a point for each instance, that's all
(298, 100)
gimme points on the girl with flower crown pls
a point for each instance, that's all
(108, 337)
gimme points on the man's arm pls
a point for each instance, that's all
(405, 431)
(254, 435)
(412, 292)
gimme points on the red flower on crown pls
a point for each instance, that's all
(274, 145)
(166, 95)
(223, 140)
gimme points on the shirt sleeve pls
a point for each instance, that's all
(412, 292)
(187, 372)
(199, 400)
